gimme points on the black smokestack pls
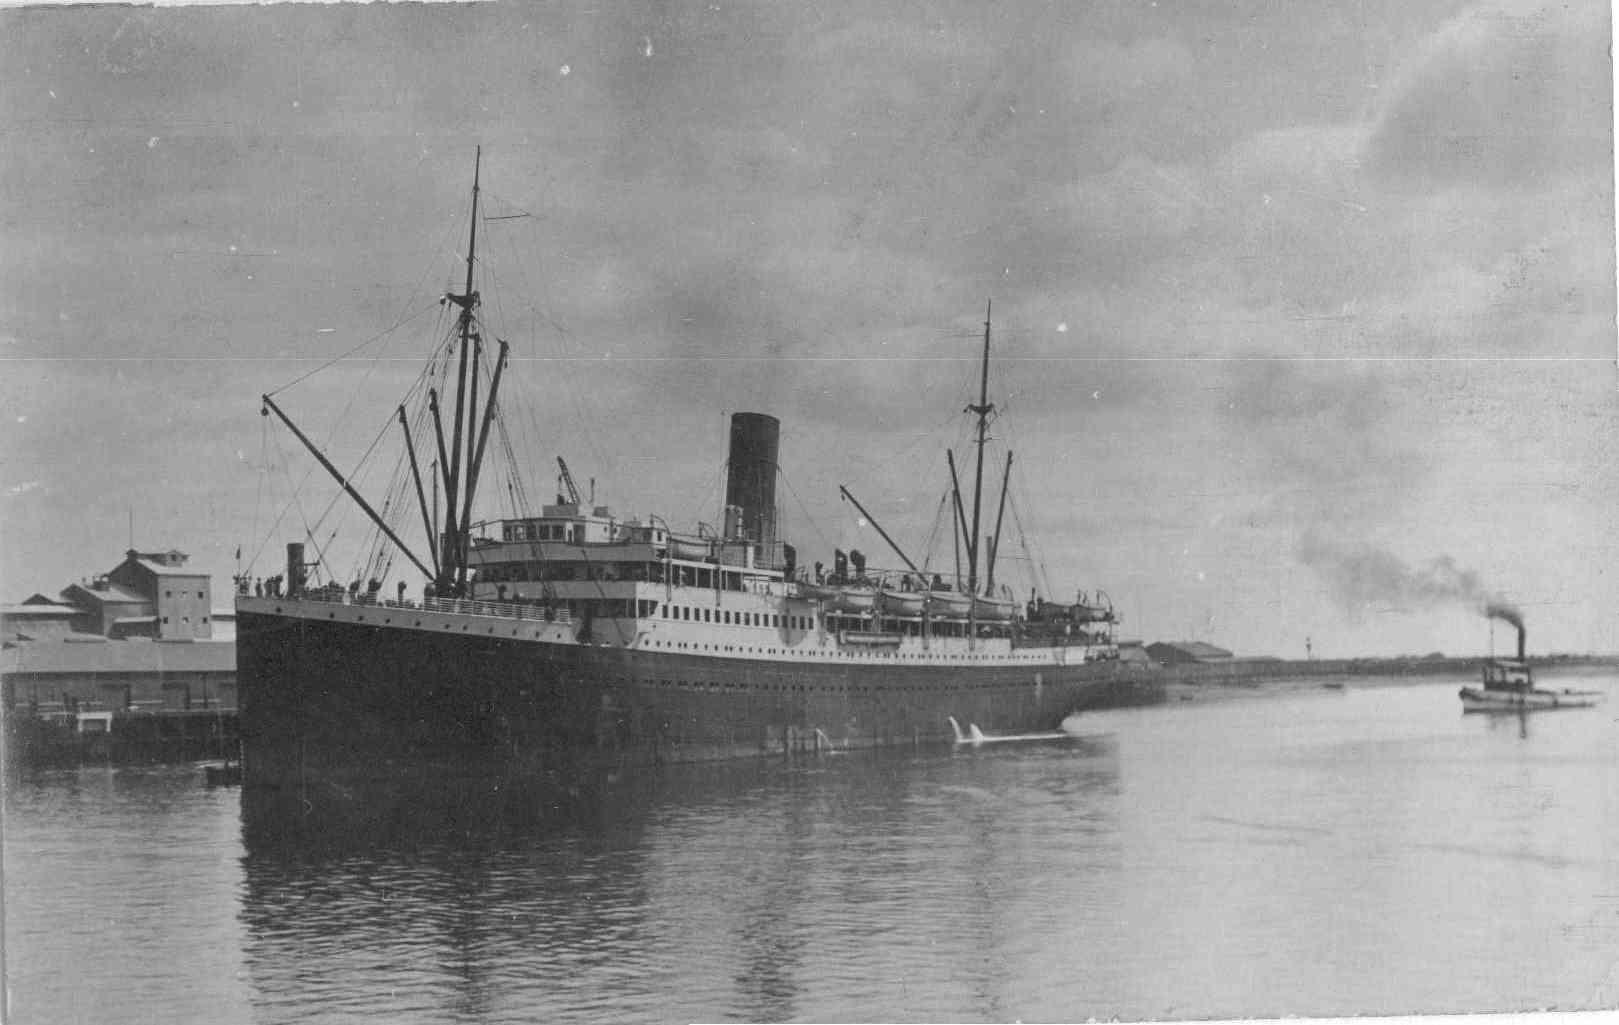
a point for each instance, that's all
(751, 483)
(1509, 614)
(295, 569)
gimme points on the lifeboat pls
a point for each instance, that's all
(992, 610)
(853, 598)
(902, 603)
(949, 604)
(816, 592)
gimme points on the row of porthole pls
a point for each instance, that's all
(757, 651)
(694, 646)
(818, 688)
(447, 626)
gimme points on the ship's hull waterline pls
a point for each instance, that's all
(327, 698)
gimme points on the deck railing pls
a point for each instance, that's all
(458, 606)
(502, 610)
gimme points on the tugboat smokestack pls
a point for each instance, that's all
(1509, 614)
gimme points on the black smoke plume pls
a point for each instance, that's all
(1362, 576)
(1501, 610)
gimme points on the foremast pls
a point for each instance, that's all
(983, 409)
(470, 434)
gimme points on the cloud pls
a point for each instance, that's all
(1505, 94)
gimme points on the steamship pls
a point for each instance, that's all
(574, 639)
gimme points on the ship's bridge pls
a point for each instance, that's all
(569, 542)
(574, 523)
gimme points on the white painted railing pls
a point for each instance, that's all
(459, 606)
(501, 610)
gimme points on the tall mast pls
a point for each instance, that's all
(455, 545)
(983, 409)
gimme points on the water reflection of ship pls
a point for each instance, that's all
(492, 893)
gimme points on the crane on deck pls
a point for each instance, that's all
(566, 480)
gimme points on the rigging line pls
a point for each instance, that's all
(514, 475)
(394, 507)
(816, 527)
(933, 531)
(355, 478)
(567, 350)
(292, 502)
(424, 378)
(258, 492)
(1038, 556)
(340, 358)
(404, 317)
(1037, 567)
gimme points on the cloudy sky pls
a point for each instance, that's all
(1303, 312)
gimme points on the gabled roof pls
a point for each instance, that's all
(159, 569)
(109, 594)
(37, 611)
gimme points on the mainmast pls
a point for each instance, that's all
(983, 410)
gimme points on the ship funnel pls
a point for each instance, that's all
(751, 483)
(295, 569)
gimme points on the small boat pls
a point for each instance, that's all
(1509, 684)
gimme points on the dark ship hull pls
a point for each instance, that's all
(326, 698)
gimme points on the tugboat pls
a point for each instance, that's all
(1509, 684)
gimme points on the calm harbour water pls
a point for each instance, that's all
(1307, 852)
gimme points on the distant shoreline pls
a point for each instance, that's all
(1247, 672)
